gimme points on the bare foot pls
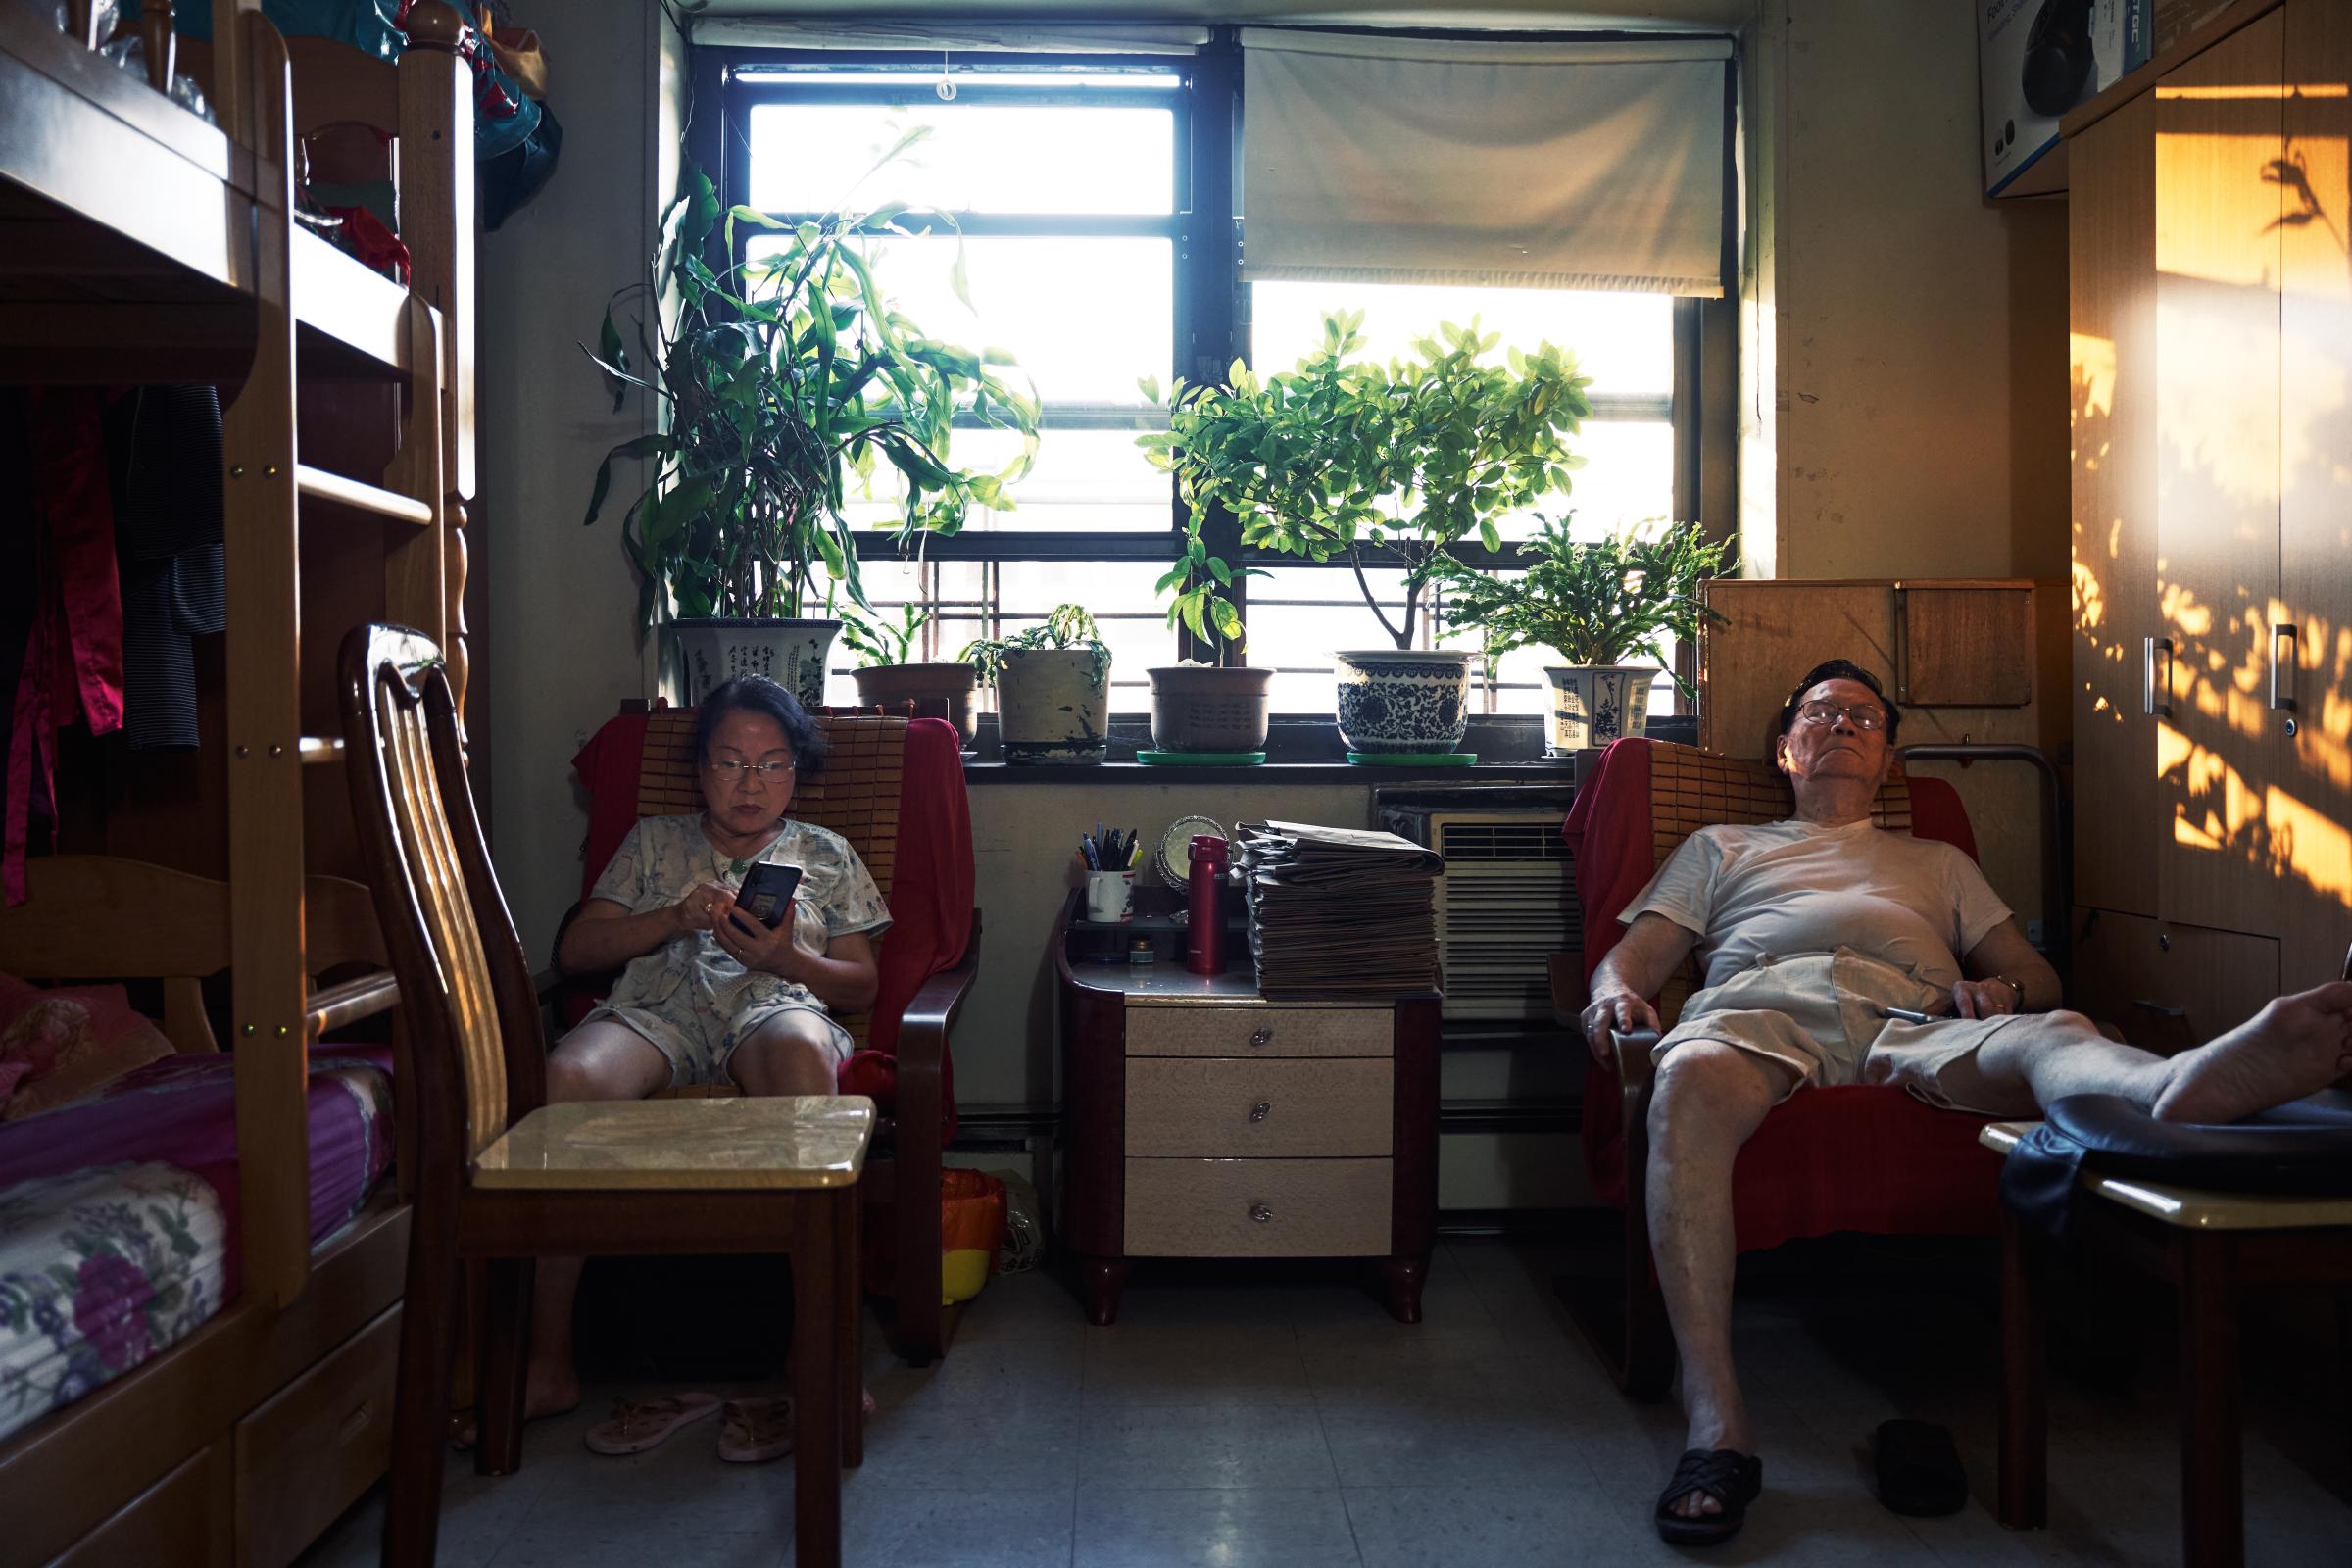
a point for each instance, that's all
(553, 1391)
(1709, 1434)
(2295, 1045)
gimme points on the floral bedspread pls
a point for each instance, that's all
(99, 1270)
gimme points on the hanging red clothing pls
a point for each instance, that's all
(74, 652)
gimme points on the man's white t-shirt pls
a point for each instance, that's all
(1785, 888)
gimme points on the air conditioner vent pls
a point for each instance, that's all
(1507, 903)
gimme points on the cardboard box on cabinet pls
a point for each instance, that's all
(2035, 60)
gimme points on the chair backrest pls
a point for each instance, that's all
(857, 795)
(474, 1052)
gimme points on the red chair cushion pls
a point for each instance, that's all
(1858, 1158)
(930, 897)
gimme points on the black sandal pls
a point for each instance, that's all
(1732, 1478)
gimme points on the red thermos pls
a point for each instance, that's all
(1207, 917)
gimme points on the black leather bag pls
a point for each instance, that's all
(2302, 1149)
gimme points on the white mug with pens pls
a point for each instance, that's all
(1109, 858)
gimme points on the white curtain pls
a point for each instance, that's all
(959, 37)
(1395, 159)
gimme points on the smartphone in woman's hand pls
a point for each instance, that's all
(767, 893)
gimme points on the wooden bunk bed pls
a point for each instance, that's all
(139, 244)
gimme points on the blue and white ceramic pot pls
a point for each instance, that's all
(1592, 705)
(711, 651)
(1408, 700)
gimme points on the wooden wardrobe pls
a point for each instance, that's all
(2210, 318)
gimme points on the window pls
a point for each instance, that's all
(1087, 207)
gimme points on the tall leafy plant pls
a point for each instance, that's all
(1593, 603)
(1377, 464)
(782, 381)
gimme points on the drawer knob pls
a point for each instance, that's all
(1258, 1111)
(1260, 1213)
(1264, 1036)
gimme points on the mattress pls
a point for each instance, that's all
(117, 1214)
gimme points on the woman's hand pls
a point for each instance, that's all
(1620, 1012)
(702, 909)
(760, 949)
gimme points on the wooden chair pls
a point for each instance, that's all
(501, 1176)
(894, 788)
(1859, 1157)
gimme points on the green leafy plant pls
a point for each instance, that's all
(1591, 603)
(1068, 627)
(1203, 584)
(780, 380)
(876, 639)
(1372, 463)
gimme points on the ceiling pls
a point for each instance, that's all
(1705, 15)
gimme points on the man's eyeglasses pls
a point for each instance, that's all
(1859, 715)
(728, 770)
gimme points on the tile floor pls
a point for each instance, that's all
(1284, 1420)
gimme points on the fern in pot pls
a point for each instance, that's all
(1598, 606)
(888, 674)
(783, 384)
(1344, 459)
(1053, 684)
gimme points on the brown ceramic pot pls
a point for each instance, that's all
(888, 684)
(1199, 709)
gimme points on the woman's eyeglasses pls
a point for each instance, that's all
(1859, 715)
(729, 770)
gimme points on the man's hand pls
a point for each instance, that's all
(1983, 999)
(1619, 1013)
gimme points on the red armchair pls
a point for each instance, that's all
(1859, 1157)
(894, 788)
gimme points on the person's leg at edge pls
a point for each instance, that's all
(605, 1060)
(2295, 1045)
(789, 1053)
(1709, 1098)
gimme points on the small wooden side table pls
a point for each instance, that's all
(2209, 1245)
(1203, 1120)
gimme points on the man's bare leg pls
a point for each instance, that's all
(1709, 1098)
(2295, 1045)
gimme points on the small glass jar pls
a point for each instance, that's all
(1139, 953)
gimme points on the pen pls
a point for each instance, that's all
(1907, 1014)
(1086, 851)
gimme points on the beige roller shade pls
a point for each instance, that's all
(1391, 159)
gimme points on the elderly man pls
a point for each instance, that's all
(1812, 933)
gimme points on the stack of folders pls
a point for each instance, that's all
(1340, 912)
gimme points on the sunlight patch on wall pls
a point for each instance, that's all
(2307, 844)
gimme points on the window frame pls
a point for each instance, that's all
(1211, 315)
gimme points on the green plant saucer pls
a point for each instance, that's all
(1201, 758)
(1412, 759)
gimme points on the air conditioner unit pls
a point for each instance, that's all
(1507, 903)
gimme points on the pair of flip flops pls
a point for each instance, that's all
(1919, 1473)
(752, 1431)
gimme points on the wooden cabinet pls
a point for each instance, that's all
(1205, 1121)
(2210, 309)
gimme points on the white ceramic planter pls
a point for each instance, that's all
(1410, 701)
(1592, 705)
(1050, 706)
(791, 653)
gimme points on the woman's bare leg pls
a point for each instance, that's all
(791, 1054)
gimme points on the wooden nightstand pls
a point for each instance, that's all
(1205, 1121)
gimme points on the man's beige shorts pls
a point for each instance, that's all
(1818, 1012)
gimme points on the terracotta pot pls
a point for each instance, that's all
(1199, 709)
(715, 649)
(1407, 700)
(1592, 705)
(1050, 706)
(891, 684)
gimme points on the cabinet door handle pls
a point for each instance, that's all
(2282, 702)
(1263, 1037)
(2149, 703)
(1260, 1213)
(1260, 1111)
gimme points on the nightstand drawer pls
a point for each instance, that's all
(1211, 1031)
(1257, 1207)
(1209, 1106)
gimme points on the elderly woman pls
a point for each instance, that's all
(1810, 932)
(708, 993)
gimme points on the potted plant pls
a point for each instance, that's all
(1597, 606)
(887, 672)
(1052, 688)
(1382, 464)
(1201, 707)
(779, 381)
